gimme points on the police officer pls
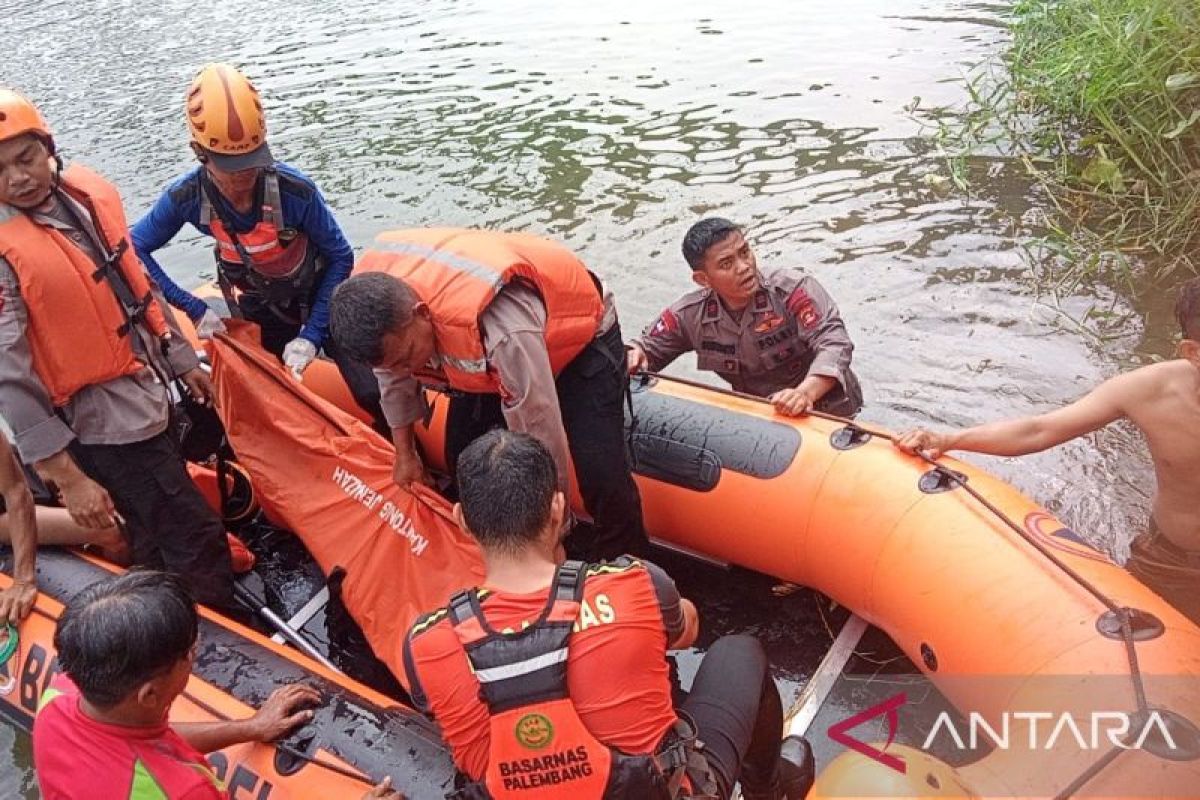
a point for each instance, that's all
(579, 704)
(776, 335)
(87, 348)
(523, 336)
(280, 252)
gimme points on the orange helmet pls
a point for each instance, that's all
(225, 118)
(18, 116)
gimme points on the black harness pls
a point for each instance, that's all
(529, 668)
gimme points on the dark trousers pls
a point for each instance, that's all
(169, 523)
(277, 332)
(738, 715)
(591, 396)
(1167, 569)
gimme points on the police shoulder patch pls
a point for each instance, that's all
(666, 324)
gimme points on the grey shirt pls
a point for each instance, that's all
(791, 329)
(124, 410)
(514, 331)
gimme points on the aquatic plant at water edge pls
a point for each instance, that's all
(1101, 101)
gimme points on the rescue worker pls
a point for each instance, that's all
(522, 334)
(552, 681)
(88, 350)
(777, 335)
(279, 250)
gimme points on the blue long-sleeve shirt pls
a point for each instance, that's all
(303, 209)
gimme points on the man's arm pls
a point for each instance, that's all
(1018, 437)
(822, 331)
(326, 235)
(514, 331)
(403, 402)
(155, 230)
(17, 600)
(660, 344)
(41, 436)
(284, 709)
(680, 618)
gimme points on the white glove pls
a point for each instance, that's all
(298, 354)
(209, 324)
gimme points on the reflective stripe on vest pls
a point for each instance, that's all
(458, 272)
(268, 254)
(516, 670)
(471, 267)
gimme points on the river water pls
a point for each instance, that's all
(613, 126)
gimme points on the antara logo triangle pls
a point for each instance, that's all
(839, 732)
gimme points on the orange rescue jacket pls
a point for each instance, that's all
(81, 314)
(275, 251)
(457, 272)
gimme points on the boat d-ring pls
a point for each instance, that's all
(8, 649)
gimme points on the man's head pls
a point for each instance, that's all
(229, 131)
(28, 167)
(1187, 311)
(127, 642)
(379, 320)
(508, 496)
(721, 260)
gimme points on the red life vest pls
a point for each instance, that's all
(457, 272)
(81, 313)
(538, 745)
(283, 264)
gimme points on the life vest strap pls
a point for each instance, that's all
(109, 271)
(680, 759)
(527, 666)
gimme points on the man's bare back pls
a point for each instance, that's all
(1163, 400)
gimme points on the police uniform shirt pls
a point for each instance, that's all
(791, 329)
(514, 340)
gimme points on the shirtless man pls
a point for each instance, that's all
(1163, 400)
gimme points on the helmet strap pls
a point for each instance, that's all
(201, 155)
(58, 170)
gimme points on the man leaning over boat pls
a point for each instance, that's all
(521, 334)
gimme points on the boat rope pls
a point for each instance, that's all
(1089, 773)
(1121, 613)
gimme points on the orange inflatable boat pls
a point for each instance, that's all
(1010, 614)
(356, 737)
(1087, 679)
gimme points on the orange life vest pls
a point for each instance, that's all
(81, 313)
(457, 272)
(277, 263)
(538, 745)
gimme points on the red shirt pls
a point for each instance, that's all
(617, 671)
(77, 757)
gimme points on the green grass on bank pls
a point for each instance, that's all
(1101, 100)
